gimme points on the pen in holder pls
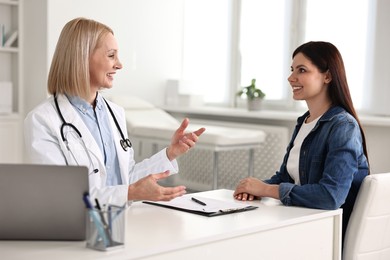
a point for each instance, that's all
(105, 227)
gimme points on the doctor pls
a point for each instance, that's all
(77, 126)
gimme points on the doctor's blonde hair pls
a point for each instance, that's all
(69, 70)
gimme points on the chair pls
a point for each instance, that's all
(368, 232)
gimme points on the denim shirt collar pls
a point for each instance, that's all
(328, 116)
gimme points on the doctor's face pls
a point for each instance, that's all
(104, 63)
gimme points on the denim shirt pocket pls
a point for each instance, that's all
(314, 171)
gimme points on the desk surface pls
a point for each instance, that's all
(152, 230)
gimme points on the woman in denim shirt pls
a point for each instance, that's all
(326, 159)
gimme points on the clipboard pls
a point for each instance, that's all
(211, 208)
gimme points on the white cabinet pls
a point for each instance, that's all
(11, 75)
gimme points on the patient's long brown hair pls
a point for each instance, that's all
(326, 57)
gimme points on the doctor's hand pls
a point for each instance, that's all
(147, 188)
(252, 188)
(181, 142)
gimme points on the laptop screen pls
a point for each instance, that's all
(42, 202)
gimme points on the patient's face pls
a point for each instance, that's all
(306, 81)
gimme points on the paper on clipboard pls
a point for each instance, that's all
(213, 207)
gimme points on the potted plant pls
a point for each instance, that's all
(253, 94)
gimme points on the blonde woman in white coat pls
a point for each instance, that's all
(77, 126)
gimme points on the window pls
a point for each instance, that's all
(347, 33)
(206, 56)
(264, 46)
(258, 37)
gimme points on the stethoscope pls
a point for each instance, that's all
(125, 142)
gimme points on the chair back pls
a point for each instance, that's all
(368, 232)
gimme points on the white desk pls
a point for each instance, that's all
(272, 231)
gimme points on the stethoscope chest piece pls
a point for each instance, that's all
(125, 143)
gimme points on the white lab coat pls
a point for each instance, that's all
(44, 145)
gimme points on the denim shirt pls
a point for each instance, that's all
(332, 165)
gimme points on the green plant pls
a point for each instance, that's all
(251, 91)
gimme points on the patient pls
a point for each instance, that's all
(77, 126)
(326, 160)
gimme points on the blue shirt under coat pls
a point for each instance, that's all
(97, 121)
(332, 165)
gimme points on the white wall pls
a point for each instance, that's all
(381, 55)
(35, 65)
(149, 34)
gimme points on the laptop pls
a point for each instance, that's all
(42, 202)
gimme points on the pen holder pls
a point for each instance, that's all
(106, 228)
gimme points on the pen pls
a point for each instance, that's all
(198, 201)
(105, 225)
(96, 219)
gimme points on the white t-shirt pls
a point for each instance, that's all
(293, 159)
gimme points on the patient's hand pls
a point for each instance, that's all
(181, 142)
(251, 188)
(245, 196)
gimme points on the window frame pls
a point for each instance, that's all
(295, 23)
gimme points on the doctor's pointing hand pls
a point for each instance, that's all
(181, 141)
